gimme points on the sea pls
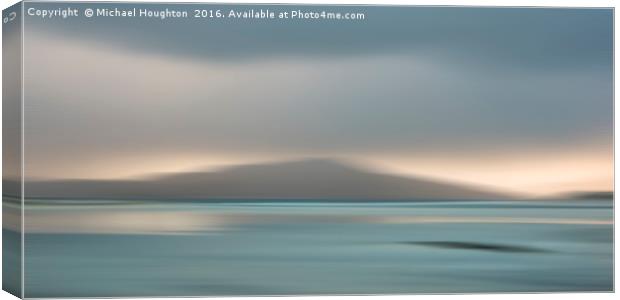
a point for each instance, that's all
(130, 248)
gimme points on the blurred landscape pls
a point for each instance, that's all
(418, 150)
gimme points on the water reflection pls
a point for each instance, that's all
(181, 249)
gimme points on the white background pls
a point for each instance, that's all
(560, 3)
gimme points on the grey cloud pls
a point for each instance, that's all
(512, 37)
(371, 104)
(411, 80)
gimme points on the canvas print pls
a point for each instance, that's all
(173, 149)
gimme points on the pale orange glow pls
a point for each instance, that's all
(535, 173)
(142, 165)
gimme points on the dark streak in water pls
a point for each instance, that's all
(477, 246)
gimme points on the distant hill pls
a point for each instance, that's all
(592, 195)
(306, 179)
(579, 195)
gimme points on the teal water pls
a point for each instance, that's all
(277, 248)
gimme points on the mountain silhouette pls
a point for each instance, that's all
(305, 179)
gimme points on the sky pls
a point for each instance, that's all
(517, 99)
